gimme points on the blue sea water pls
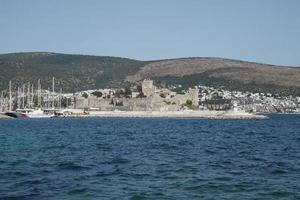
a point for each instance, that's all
(134, 158)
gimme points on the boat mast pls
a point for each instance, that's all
(10, 95)
(48, 98)
(28, 95)
(1, 102)
(60, 92)
(18, 98)
(39, 93)
(23, 96)
(32, 96)
(53, 93)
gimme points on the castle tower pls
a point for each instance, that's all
(148, 88)
(194, 96)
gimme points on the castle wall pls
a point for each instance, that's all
(156, 100)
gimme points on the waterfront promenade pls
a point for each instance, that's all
(167, 114)
(179, 114)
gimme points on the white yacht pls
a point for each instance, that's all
(32, 113)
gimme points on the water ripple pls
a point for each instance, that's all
(120, 158)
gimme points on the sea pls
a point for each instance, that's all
(150, 158)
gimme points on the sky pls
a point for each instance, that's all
(266, 31)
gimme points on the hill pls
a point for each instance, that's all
(72, 72)
(232, 74)
(79, 72)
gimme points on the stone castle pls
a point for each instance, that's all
(150, 98)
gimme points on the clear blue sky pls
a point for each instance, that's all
(265, 31)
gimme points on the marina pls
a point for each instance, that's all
(30, 102)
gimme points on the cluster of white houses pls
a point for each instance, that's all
(248, 101)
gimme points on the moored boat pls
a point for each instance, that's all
(28, 113)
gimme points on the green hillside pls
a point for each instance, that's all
(81, 72)
(72, 72)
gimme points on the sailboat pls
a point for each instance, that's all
(27, 112)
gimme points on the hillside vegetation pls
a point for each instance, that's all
(79, 72)
(72, 72)
(232, 74)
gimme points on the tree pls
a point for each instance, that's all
(139, 89)
(97, 94)
(162, 95)
(119, 93)
(127, 92)
(85, 95)
(141, 95)
(64, 102)
(189, 103)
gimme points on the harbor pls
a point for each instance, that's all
(150, 100)
(28, 101)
